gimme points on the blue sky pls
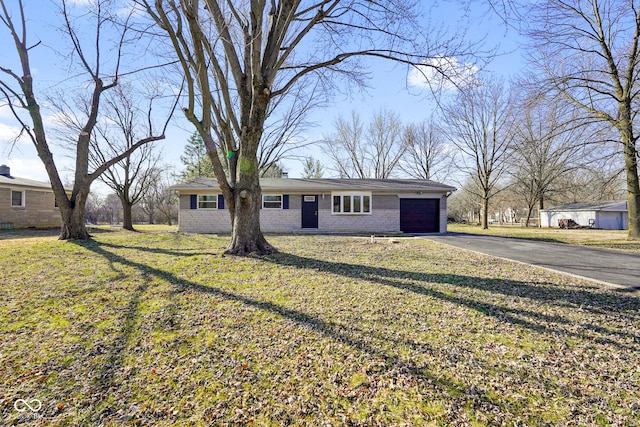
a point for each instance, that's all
(390, 88)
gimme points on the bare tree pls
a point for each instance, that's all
(92, 58)
(385, 139)
(464, 204)
(124, 120)
(287, 121)
(479, 123)
(371, 152)
(600, 180)
(241, 57)
(347, 147)
(549, 142)
(590, 52)
(93, 208)
(160, 199)
(130, 180)
(428, 154)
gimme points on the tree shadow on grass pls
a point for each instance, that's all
(112, 353)
(177, 253)
(112, 367)
(353, 337)
(587, 299)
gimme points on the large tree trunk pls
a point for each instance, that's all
(633, 185)
(529, 212)
(246, 236)
(485, 213)
(73, 221)
(540, 209)
(127, 221)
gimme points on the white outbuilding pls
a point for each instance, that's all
(608, 215)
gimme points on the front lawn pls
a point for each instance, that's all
(161, 329)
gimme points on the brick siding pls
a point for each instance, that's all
(384, 217)
(39, 210)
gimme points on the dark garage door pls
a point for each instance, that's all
(420, 215)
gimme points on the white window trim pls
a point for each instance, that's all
(22, 199)
(214, 201)
(271, 201)
(343, 194)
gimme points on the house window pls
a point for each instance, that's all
(270, 201)
(17, 199)
(207, 201)
(352, 203)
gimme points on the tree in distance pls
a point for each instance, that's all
(312, 168)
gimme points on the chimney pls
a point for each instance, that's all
(5, 171)
(285, 174)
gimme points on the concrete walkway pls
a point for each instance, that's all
(614, 268)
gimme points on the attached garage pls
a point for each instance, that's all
(420, 215)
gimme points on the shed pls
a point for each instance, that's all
(606, 215)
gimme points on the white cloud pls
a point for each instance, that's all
(442, 72)
(130, 9)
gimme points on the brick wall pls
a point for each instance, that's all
(39, 210)
(385, 217)
(280, 220)
(380, 220)
(443, 214)
(204, 221)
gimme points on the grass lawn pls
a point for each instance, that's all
(604, 239)
(160, 329)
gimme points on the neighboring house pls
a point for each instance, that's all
(324, 205)
(611, 215)
(26, 203)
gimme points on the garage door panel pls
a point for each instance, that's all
(420, 215)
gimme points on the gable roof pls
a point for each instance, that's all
(302, 185)
(613, 205)
(12, 181)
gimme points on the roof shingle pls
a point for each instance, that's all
(301, 185)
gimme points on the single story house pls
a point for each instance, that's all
(324, 205)
(607, 215)
(26, 203)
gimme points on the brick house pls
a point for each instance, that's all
(26, 203)
(324, 205)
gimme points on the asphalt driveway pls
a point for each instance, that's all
(615, 268)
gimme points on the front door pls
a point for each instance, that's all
(310, 211)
